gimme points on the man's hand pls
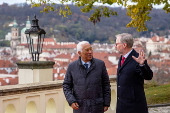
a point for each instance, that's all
(105, 108)
(141, 58)
(75, 105)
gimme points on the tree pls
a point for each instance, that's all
(138, 10)
(5, 43)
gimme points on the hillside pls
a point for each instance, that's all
(77, 26)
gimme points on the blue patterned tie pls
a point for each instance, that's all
(86, 66)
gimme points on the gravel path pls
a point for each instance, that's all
(165, 109)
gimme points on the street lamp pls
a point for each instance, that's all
(35, 38)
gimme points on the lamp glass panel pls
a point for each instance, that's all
(34, 42)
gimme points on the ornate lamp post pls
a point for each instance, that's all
(35, 38)
(35, 70)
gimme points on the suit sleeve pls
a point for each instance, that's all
(106, 87)
(146, 72)
(68, 87)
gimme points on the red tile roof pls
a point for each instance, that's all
(51, 43)
(14, 72)
(64, 55)
(11, 81)
(6, 63)
(168, 42)
(3, 72)
(157, 39)
(25, 45)
(60, 77)
(112, 70)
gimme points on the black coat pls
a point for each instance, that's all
(130, 89)
(90, 89)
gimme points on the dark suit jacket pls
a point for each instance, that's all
(130, 81)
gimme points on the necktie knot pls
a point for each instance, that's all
(86, 66)
(122, 61)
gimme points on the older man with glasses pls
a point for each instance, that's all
(131, 73)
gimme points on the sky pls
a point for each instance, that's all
(23, 1)
(12, 1)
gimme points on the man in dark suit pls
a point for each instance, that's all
(131, 73)
(86, 85)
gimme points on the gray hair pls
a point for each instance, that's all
(79, 45)
(126, 38)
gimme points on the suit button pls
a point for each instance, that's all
(118, 86)
(118, 98)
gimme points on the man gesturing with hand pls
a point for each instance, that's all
(131, 73)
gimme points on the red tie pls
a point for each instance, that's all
(122, 61)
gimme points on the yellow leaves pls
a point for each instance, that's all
(65, 11)
(87, 8)
(167, 7)
(119, 2)
(139, 15)
(139, 11)
(114, 1)
(101, 12)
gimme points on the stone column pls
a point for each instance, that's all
(35, 71)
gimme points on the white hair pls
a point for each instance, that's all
(79, 45)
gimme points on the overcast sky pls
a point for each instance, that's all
(12, 1)
(23, 1)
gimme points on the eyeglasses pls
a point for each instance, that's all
(116, 44)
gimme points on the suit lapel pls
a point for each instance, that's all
(126, 60)
(119, 62)
(92, 66)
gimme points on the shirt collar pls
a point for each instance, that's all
(85, 62)
(127, 54)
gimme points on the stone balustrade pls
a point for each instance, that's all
(41, 97)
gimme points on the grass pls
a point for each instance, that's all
(157, 94)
